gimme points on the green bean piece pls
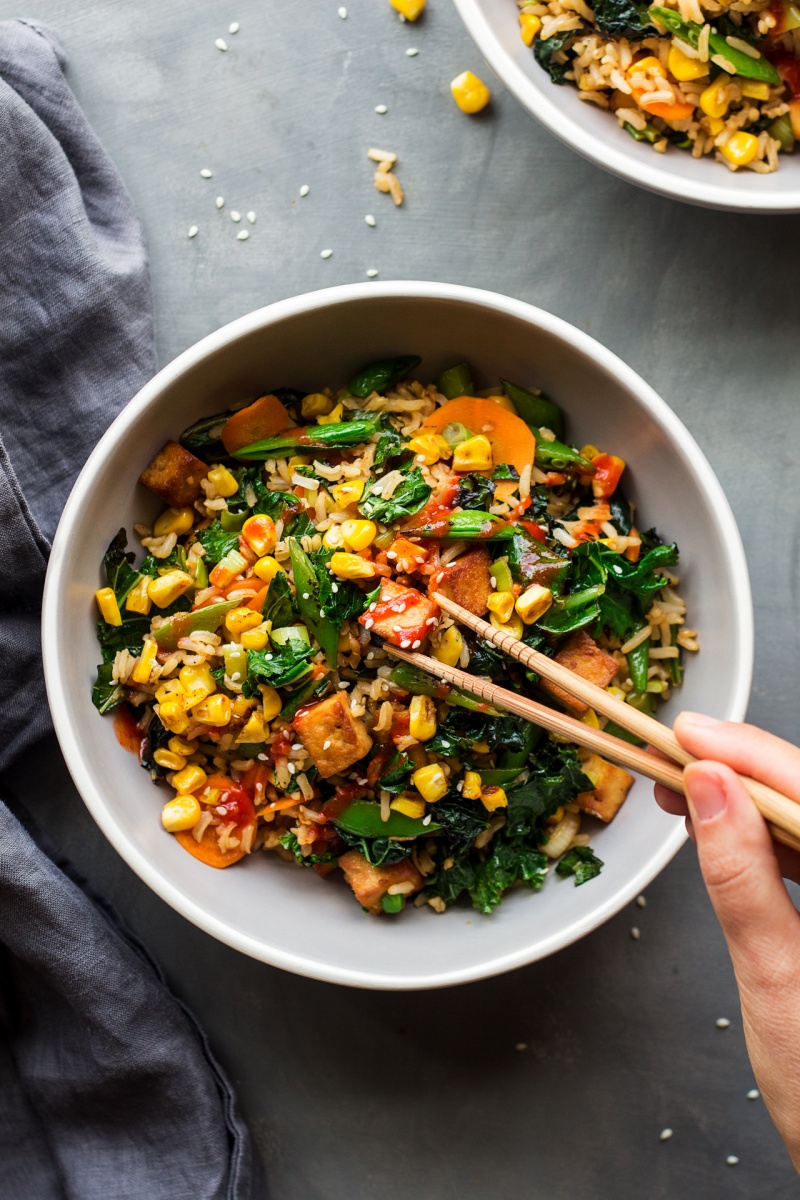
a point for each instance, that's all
(233, 522)
(466, 524)
(781, 130)
(362, 818)
(456, 381)
(305, 582)
(624, 735)
(393, 904)
(419, 683)
(517, 759)
(383, 374)
(648, 134)
(674, 664)
(555, 456)
(203, 438)
(638, 662)
(749, 68)
(309, 689)
(536, 411)
(181, 624)
(455, 433)
(337, 436)
(201, 575)
(502, 777)
(500, 572)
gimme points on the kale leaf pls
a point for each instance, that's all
(581, 862)
(120, 574)
(623, 18)
(461, 820)
(391, 445)
(543, 52)
(276, 667)
(217, 542)
(299, 526)
(508, 863)
(156, 737)
(279, 604)
(451, 882)
(129, 635)
(395, 778)
(474, 491)
(411, 493)
(106, 694)
(377, 851)
(504, 471)
(253, 494)
(339, 600)
(289, 842)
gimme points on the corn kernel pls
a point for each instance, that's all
(242, 706)
(513, 625)
(469, 92)
(529, 26)
(240, 619)
(534, 603)
(333, 417)
(174, 520)
(351, 566)
(260, 535)
(410, 9)
(472, 786)
(714, 100)
(182, 812)
(137, 599)
(502, 604)
(348, 493)
(333, 538)
(740, 148)
(685, 68)
(754, 89)
(172, 715)
(167, 588)
(589, 451)
(409, 806)
(430, 782)
(449, 649)
(209, 795)
(235, 659)
(169, 761)
(227, 569)
(267, 568)
(715, 125)
(254, 730)
(197, 682)
(271, 702)
(170, 689)
(493, 797)
(426, 448)
(316, 404)
(481, 747)
(256, 639)
(180, 746)
(616, 692)
(224, 482)
(298, 460)
(107, 603)
(141, 672)
(214, 710)
(422, 718)
(475, 454)
(590, 718)
(357, 535)
(190, 779)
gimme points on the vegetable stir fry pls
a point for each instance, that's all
(244, 656)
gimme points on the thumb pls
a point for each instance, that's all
(742, 876)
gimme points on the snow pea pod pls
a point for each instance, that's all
(419, 683)
(555, 456)
(689, 31)
(456, 381)
(306, 599)
(337, 436)
(383, 374)
(536, 411)
(184, 623)
(638, 662)
(363, 819)
(467, 524)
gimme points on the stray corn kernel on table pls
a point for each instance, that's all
(557, 1080)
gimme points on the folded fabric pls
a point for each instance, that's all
(107, 1086)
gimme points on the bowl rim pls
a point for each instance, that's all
(649, 176)
(55, 591)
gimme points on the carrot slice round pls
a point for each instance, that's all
(207, 849)
(512, 441)
(262, 419)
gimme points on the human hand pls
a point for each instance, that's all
(743, 868)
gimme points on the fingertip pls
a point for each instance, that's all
(690, 828)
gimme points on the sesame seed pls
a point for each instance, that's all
(325, 253)
(242, 235)
(753, 1094)
(193, 231)
(343, 685)
(291, 767)
(206, 173)
(233, 27)
(391, 554)
(635, 934)
(370, 220)
(641, 901)
(732, 1160)
(397, 629)
(221, 44)
(493, 581)
(235, 216)
(262, 758)
(297, 746)
(412, 52)
(722, 1022)
(426, 820)
(416, 645)
(460, 785)
(304, 190)
(251, 216)
(326, 745)
(220, 201)
(306, 595)
(446, 745)
(372, 273)
(665, 1135)
(405, 644)
(381, 109)
(236, 675)
(521, 1046)
(370, 655)
(342, 12)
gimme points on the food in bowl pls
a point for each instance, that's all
(244, 657)
(713, 79)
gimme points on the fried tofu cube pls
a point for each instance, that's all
(333, 737)
(581, 654)
(612, 785)
(402, 615)
(175, 475)
(370, 883)
(468, 580)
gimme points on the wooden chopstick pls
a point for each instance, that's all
(782, 814)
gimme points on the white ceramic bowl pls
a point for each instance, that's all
(270, 909)
(595, 134)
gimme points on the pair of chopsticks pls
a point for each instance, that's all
(781, 813)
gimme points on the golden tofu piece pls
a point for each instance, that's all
(612, 785)
(174, 475)
(581, 654)
(468, 580)
(331, 735)
(370, 883)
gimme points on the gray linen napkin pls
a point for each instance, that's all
(107, 1086)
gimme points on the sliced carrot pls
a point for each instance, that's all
(207, 849)
(262, 419)
(281, 804)
(512, 441)
(257, 602)
(667, 112)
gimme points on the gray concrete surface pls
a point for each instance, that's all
(367, 1096)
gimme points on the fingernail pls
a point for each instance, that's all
(706, 795)
(700, 720)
